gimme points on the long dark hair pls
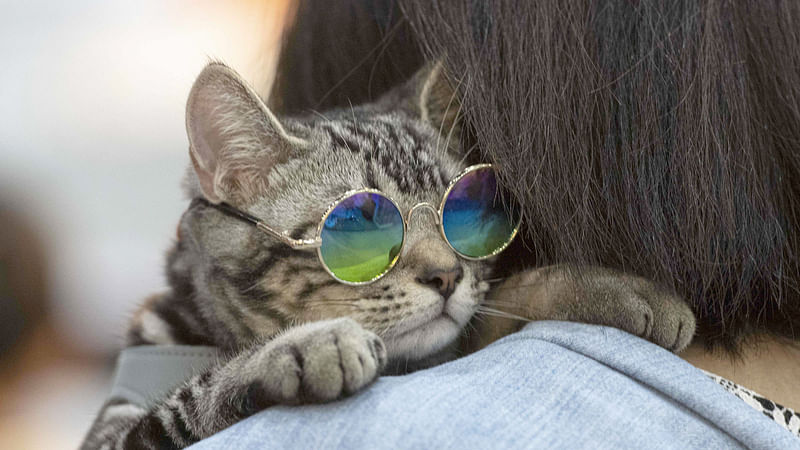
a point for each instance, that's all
(661, 138)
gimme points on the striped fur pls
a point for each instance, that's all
(291, 333)
(236, 288)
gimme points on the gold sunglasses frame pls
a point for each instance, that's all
(316, 242)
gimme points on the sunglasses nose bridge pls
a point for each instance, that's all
(422, 205)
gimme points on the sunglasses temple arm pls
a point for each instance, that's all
(297, 244)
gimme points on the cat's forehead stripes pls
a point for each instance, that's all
(390, 146)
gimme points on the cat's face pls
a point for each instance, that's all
(288, 173)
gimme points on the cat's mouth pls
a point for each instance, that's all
(423, 336)
(444, 317)
(418, 320)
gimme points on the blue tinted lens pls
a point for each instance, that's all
(476, 220)
(362, 237)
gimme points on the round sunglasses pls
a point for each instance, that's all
(362, 233)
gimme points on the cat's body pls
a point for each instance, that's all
(292, 334)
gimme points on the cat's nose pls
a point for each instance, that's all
(445, 281)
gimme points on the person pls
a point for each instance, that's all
(658, 137)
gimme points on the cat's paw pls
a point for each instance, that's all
(672, 322)
(317, 362)
(643, 308)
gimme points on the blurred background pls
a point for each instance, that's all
(92, 152)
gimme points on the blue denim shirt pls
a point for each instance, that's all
(551, 385)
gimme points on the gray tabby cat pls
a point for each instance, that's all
(291, 332)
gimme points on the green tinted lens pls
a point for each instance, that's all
(362, 237)
(475, 220)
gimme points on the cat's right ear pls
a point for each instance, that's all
(432, 97)
(234, 139)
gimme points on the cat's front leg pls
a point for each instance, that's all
(313, 363)
(591, 295)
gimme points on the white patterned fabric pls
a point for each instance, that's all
(783, 416)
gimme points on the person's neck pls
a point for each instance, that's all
(767, 365)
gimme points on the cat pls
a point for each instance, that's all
(293, 334)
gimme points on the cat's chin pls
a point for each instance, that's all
(424, 340)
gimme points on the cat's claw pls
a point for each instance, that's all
(673, 321)
(641, 307)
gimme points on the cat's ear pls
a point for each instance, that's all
(436, 99)
(234, 139)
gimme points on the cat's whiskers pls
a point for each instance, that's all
(496, 301)
(502, 314)
(471, 326)
(479, 319)
(317, 113)
(510, 307)
(516, 286)
(352, 111)
(494, 280)
(251, 287)
(398, 320)
(331, 302)
(383, 329)
(467, 153)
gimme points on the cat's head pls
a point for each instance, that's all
(287, 172)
